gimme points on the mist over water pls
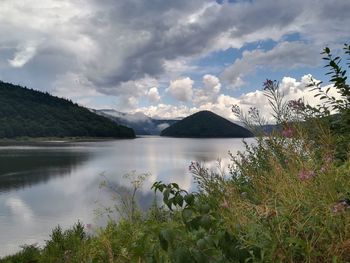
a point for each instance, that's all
(46, 184)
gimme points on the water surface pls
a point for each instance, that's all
(46, 184)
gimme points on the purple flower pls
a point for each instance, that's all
(305, 175)
(193, 166)
(267, 84)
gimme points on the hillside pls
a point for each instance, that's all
(29, 113)
(139, 122)
(206, 124)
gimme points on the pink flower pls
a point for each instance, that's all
(306, 175)
(288, 133)
(341, 206)
(224, 204)
(328, 159)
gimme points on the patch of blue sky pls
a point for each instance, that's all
(216, 61)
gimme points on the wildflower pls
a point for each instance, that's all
(341, 206)
(224, 204)
(323, 169)
(297, 105)
(88, 226)
(193, 166)
(236, 110)
(288, 133)
(306, 175)
(267, 84)
(327, 162)
(328, 159)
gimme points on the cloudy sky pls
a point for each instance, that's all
(168, 58)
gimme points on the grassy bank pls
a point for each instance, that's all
(285, 199)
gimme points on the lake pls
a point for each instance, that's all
(44, 184)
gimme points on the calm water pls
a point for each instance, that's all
(46, 184)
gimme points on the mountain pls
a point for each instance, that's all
(141, 123)
(205, 124)
(29, 113)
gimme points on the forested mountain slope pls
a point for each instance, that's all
(206, 124)
(29, 113)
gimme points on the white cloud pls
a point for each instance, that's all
(284, 55)
(23, 55)
(292, 90)
(181, 89)
(165, 111)
(209, 91)
(153, 95)
(211, 83)
(290, 87)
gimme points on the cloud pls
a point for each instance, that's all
(209, 91)
(153, 95)
(181, 89)
(284, 55)
(162, 126)
(114, 45)
(165, 111)
(292, 89)
(23, 55)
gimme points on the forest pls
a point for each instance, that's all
(29, 113)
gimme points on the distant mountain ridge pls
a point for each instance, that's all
(139, 122)
(206, 124)
(29, 113)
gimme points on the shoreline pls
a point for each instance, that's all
(34, 140)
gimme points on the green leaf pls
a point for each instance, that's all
(206, 221)
(179, 200)
(201, 244)
(182, 255)
(187, 214)
(163, 241)
(204, 208)
(168, 204)
(175, 185)
(166, 195)
(189, 199)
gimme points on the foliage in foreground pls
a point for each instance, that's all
(286, 199)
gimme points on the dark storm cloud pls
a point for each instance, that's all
(114, 44)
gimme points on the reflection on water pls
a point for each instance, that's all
(23, 168)
(42, 185)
